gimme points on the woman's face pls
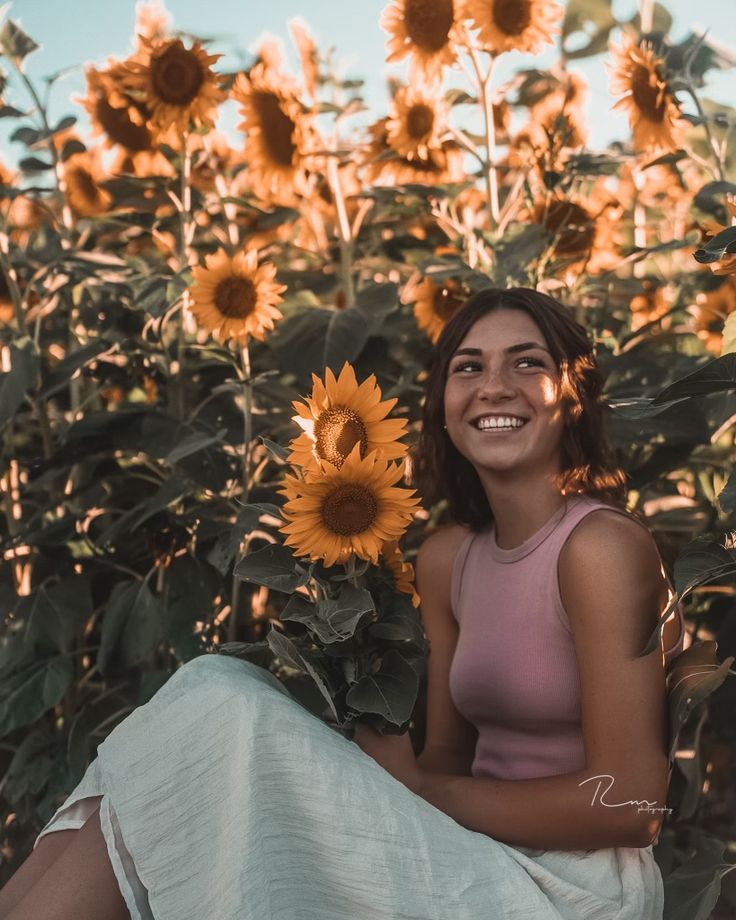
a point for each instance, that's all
(495, 381)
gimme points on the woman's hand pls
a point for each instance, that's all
(394, 753)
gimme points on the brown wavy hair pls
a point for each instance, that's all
(440, 472)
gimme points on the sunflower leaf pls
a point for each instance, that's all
(715, 249)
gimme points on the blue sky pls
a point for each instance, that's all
(76, 32)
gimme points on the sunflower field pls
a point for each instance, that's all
(213, 348)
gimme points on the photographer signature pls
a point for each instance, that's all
(643, 804)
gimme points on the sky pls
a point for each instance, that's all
(75, 32)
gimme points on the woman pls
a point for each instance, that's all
(221, 798)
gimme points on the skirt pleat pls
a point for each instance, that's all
(223, 798)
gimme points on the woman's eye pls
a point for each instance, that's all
(533, 361)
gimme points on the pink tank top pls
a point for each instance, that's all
(514, 674)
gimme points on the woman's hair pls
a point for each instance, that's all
(439, 471)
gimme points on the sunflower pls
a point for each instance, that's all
(278, 131)
(426, 30)
(582, 228)
(340, 414)
(514, 25)
(235, 297)
(416, 122)
(654, 114)
(83, 174)
(434, 303)
(123, 126)
(308, 54)
(348, 511)
(384, 165)
(559, 114)
(152, 20)
(711, 309)
(175, 83)
(652, 304)
(402, 571)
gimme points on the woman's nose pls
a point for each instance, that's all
(494, 382)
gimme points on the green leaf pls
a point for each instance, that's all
(273, 566)
(132, 627)
(715, 249)
(707, 199)
(691, 678)
(331, 620)
(345, 337)
(391, 691)
(26, 696)
(283, 647)
(22, 377)
(67, 367)
(34, 164)
(594, 20)
(692, 890)
(9, 111)
(193, 443)
(15, 42)
(59, 612)
(727, 495)
(281, 453)
(714, 377)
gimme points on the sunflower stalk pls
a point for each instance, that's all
(185, 220)
(646, 16)
(67, 221)
(345, 237)
(483, 85)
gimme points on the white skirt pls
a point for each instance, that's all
(222, 798)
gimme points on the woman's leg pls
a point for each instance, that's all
(79, 885)
(47, 852)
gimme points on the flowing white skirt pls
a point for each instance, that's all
(222, 798)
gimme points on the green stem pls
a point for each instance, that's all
(185, 219)
(484, 92)
(247, 419)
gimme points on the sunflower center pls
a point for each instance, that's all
(336, 432)
(277, 129)
(177, 75)
(447, 300)
(350, 509)
(647, 94)
(428, 23)
(235, 297)
(572, 225)
(512, 17)
(419, 121)
(119, 127)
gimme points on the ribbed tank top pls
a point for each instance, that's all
(514, 674)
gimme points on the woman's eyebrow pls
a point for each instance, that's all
(522, 346)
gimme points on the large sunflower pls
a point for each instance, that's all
(384, 165)
(425, 29)
(235, 297)
(278, 131)
(416, 122)
(654, 114)
(353, 510)
(340, 414)
(122, 123)
(83, 175)
(175, 83)
(514, 25)
(435, 303)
